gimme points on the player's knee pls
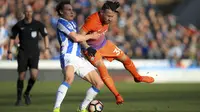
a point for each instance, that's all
(22, 76)
(69, 80)
(125, 60)
(34, 77)
(100, 84)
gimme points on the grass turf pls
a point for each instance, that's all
(138, 97)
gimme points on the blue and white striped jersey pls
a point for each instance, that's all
(67, 45)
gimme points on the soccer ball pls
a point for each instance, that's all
(95, 106)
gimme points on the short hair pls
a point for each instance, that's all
(113, 5)
(61, 5)
(26, 6)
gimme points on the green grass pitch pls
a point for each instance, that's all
(138, 97)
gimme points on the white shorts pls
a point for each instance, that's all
(81, 65)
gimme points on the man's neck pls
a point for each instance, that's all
(101, 19)
(28, 21)
(64, 18)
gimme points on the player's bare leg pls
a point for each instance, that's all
(20, 85)
(93, 78)
(129, 65)
(97, 61)
(63, 88)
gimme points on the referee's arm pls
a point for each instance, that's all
(15, 31)
(44, 33)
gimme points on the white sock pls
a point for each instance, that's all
(90, 95)
(62, 90)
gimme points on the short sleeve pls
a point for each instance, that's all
(15, 30)
(65, 27)
(43, 30)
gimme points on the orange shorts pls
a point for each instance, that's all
(109, 52)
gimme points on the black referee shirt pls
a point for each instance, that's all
(28, 35)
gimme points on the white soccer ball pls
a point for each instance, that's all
(95, 106)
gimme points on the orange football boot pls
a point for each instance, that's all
(147, 79)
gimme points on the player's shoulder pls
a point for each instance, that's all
(93, 16)
(67, 23)
(63, 21)
(20, 23)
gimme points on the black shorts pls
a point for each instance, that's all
(26, 61)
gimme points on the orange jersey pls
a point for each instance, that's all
(94, 24)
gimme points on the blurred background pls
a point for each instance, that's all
(154, 33)
(144, 29)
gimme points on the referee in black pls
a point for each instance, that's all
(28, 31)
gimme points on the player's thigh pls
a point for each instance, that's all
(94, 78)
(69, 66)
(22, 61)
(110, 51)
(68, 72)
(84, 67)
(96, 60)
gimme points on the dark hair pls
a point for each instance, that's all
(61, 5)
(110, 5)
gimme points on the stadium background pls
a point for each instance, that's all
(161, 36)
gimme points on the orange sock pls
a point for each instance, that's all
(107, 79)
(128, 64)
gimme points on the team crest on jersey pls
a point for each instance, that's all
(33, 34)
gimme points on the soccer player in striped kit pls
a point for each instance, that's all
(71, 58)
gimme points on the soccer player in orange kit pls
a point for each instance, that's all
(99, 49)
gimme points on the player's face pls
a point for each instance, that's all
(108, 16)
(68, 12)
(28, 12)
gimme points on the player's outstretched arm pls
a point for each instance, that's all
(91, 51)
(68, 30)
(79, 38)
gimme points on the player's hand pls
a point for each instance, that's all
(119, 99)
(91, 51)
(9, 56)
(96, 35)
(46, 54)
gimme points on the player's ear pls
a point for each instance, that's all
(101, 12)
(61, 12)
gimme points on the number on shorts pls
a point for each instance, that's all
(117, 51)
